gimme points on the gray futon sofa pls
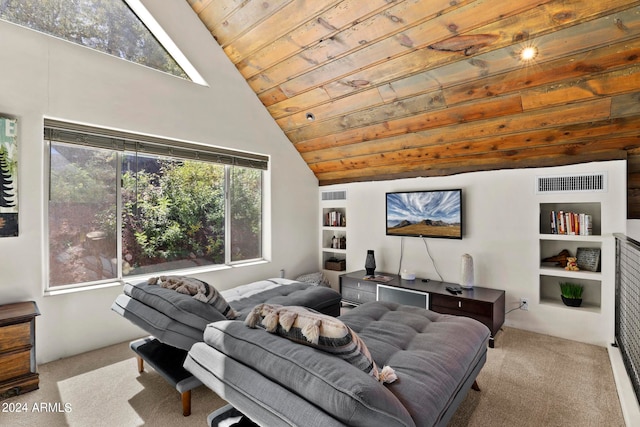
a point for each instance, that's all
(277, 382)
(179, 320)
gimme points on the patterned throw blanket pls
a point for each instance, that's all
(198, 289)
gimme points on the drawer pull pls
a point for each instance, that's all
(459, 304)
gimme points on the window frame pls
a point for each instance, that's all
(193, 152)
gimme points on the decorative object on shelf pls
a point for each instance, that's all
(370, 263)
(407, 275)
(560, 259)
(572, 264)
(466, 271)
(588, 259)
(571, 294)
(342, 244)
(335, 264)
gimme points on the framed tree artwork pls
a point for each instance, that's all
(8, 177)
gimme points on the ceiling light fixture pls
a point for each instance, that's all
(528, 53)
(310, 117)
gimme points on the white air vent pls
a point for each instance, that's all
(334, 195)
(572, 183)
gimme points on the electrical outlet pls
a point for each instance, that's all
(524, 303)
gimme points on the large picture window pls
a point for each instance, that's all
(122, 205)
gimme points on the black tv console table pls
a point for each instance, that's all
(486, 305)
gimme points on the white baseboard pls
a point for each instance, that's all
(628, 400)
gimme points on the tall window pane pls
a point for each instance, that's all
(82, 215)
(173, 214)
(246, 213)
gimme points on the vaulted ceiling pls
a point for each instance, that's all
(437, 87)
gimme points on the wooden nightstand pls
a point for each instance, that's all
(18, 349)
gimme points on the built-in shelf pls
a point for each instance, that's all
(585, 307)
(551, 274)
(333, 223)
(561, 272)
(589, 208)
(550, 290)
(570, 238)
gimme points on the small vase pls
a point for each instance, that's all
(571, 302)
(466, 272)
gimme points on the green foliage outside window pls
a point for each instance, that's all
(109, 26)
(172, 214)
(246, 213)
(82, 213)
(176, 213)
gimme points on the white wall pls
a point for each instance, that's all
(45, 77)
(633, 229)
(501, 230)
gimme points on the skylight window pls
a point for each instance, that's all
(124, 29)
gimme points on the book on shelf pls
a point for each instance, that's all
(571, 223)
(335, 219)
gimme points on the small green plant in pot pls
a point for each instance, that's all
(571, 294)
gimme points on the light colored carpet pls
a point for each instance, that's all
(529, 380)
(537, 380)
(103, 388)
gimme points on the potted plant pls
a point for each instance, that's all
(571, 294)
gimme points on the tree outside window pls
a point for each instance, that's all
(172, 214)
(82, 209)
(109, 26)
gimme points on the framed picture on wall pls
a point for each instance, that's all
(8, 177)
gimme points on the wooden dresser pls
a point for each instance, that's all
(18, 349)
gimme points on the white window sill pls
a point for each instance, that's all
(70, 290)
(63, 290)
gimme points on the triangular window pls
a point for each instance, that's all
(110, 26)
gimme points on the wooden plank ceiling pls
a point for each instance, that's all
(437, 87)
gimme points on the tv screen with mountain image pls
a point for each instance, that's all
(425, 214)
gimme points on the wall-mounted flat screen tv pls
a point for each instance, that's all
(434, 213)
